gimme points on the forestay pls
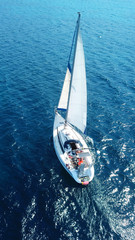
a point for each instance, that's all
(77, 108)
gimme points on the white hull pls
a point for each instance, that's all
(78, 161)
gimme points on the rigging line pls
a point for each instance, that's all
(72, 44)
(77, 30)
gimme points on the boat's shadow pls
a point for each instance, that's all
(68, 181)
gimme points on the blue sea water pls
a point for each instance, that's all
(38, 199)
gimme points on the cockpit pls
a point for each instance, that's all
(73, 144)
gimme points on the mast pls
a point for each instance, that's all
(77, 30)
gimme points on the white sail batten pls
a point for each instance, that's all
(65, 90)
(77, 107)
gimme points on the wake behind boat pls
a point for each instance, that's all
(69, 143)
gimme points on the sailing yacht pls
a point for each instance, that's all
(68, 138)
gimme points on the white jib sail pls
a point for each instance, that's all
(65, 90)
(77, 109)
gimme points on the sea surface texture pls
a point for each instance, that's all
(38, 198)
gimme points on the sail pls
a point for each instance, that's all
(65, 90)
(77, 106)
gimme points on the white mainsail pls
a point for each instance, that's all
(77, 107)
(65, 90)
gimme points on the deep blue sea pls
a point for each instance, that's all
(38, 199)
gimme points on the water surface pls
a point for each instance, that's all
(38, 199)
